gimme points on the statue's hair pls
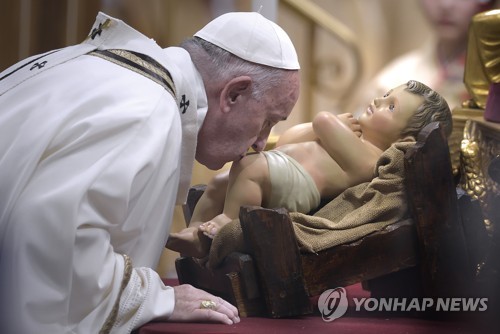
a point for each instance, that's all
(224, 65)
(433, 109)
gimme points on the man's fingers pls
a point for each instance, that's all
(197, 305)
(227, 308)
(215, 307)
(212, 316)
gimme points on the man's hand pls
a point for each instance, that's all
(188, 307)
(351, 122)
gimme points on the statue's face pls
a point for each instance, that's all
(387, 116)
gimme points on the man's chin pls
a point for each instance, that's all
(212, 164)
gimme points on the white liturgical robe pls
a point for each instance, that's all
(92, 155)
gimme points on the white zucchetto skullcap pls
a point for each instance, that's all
(252, 37)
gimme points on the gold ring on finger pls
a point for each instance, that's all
(208, 304)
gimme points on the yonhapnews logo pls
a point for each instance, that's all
(333, 304)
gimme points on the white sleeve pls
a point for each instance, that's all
(133, 198)
(145, 298)
(104, 189)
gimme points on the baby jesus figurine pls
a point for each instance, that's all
(311, 162)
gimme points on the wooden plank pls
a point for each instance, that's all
(271, 240)
(10, 26)
(389, 250)
(476, 236)
(194, 194)
(235, 281)
(48, 25)
(433, 204)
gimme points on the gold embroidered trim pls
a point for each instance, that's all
(110, 321)
(157, 73)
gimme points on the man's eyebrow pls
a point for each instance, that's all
(389, 92)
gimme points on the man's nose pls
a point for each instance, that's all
(260, 144)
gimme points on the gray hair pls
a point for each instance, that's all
(225, 65)
(433, 109)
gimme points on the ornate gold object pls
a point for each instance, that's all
(460, 117)
(208, 304)
(474, 181)
(479, 145)
(482, 66)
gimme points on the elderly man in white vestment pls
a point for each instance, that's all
(97, 146)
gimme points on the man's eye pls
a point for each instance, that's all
(386, 94)
(391, 107)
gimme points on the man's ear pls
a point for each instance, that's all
(235, 90)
